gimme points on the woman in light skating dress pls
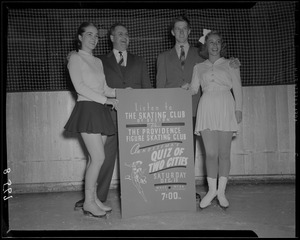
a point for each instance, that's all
(218, 115)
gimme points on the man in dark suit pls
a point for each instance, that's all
(122, 70)
(175, 66)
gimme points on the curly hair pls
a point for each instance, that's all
(204, 51)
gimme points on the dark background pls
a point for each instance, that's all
(39, 35)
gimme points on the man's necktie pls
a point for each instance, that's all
(182, 56)
(121, 62)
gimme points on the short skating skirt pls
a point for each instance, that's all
(91, 117)
(216, 111)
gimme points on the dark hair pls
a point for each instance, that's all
(113, 27)
(81, 30)
(181, 18)
(204, 52)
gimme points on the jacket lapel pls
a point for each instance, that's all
(129, 60)
(114, 64)
(174, 60)
(190, 63)
(190, 56)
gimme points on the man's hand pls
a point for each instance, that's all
(113, 102)
(238, 115)
(186, 86)
(69, 55)
(234, 63)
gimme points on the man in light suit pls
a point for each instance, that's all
(171, 72)
(122, 70)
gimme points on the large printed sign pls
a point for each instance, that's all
(155, 151)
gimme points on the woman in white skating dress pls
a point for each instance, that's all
(218, 115)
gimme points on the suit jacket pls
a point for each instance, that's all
(171, 75)
(134, 75)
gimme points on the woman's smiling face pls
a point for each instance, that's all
(214, 44)
(89, 38)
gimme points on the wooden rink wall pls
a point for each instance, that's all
(42, 157)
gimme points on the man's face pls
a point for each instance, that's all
(120, 38)
(181, 32)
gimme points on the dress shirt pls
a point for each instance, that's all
(186, 47)
(118, 57)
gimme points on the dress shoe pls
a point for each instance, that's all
(79, 205)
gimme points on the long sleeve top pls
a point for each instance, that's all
(218, 76)
(87, 75)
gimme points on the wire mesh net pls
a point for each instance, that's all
(38, 40)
